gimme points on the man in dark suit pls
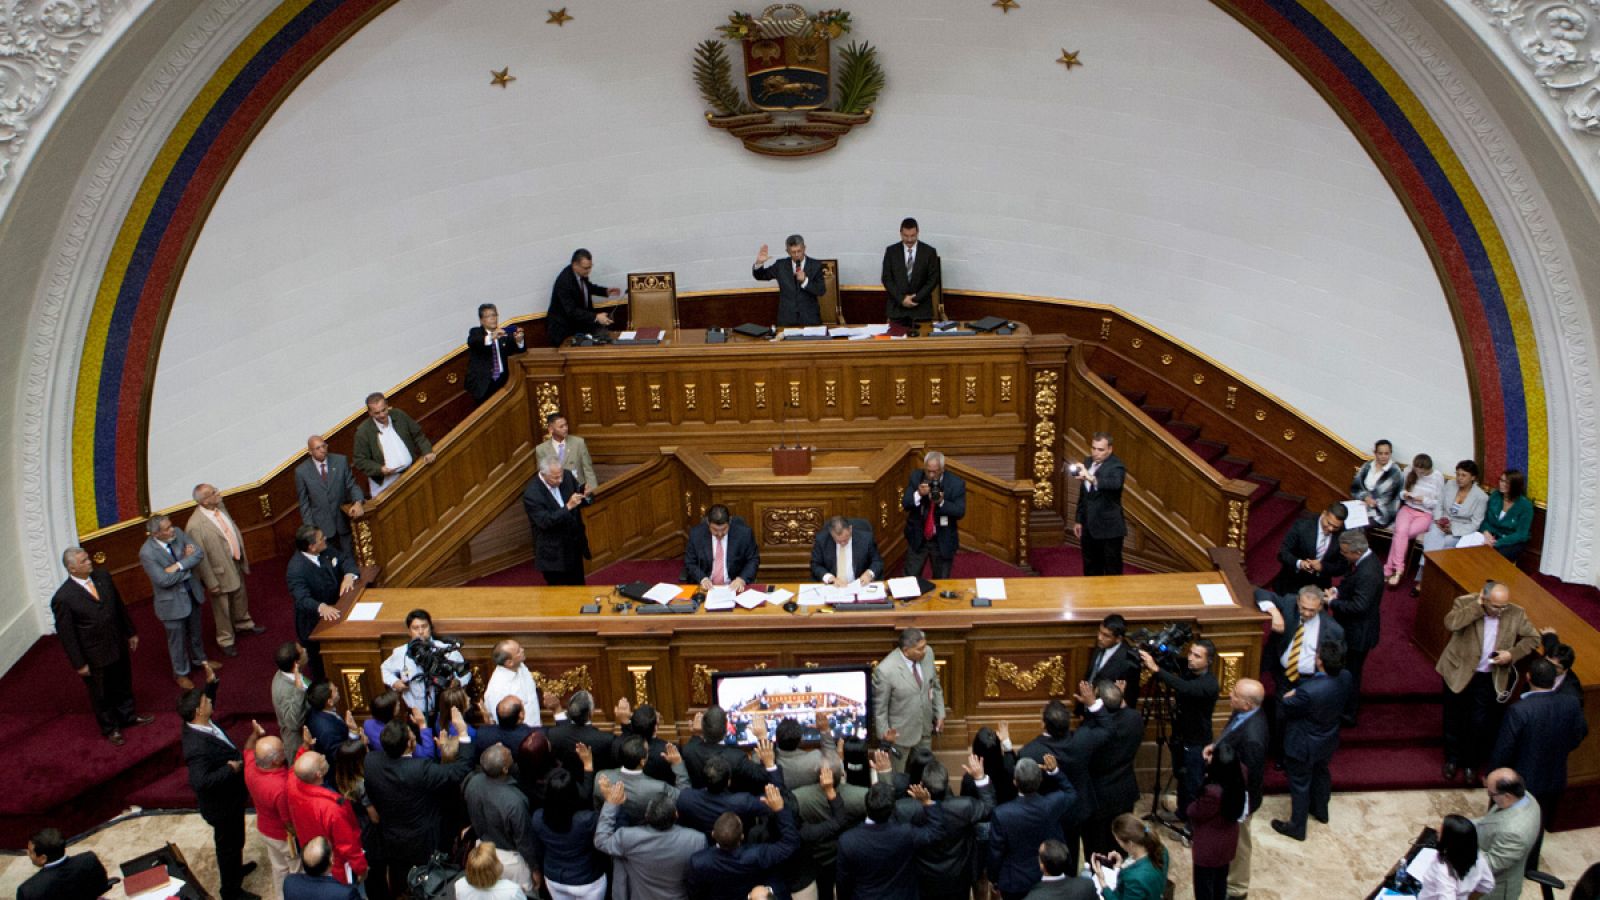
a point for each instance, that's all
(1311, 736)
(61, 877)
(313, 882)
(1356, 608)
(571, 307)
(1111, 735)
(328, 493)
(845, 551)
(1247, 733)
(800, 283)
(565, 736)
(1022, 824)
(489, 352)
(878, 858)
(1073, 758)
(934, 501)
(98, 636)
(910, 273)
(744, 775)
(317, 578)
(328, 728)
(554, 503)
(700, 807)
(720, 550)
(1113, 660)
(1059, 875)
(1309, 553)
(945, 866)
(1195, 691)
(1300, 623)
(216, 773)
(1098, 523)
(1540, 730)
(730, 867)
(409, 794)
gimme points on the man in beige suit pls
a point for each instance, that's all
(1506, 833)
(570, 449)
(1488, 635)
(224, 567)
(910, 702)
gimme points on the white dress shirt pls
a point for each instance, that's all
(396, 455)
(507, 683)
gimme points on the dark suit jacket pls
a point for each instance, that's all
(1123, 666)
(301, 886)
(560, 541)
(1357, 606)
(1068, 888)
(1016, 832)
(76, 877)
(717, 874)
(367, 455)
(863, 551)
(945, 866)
(1278, 644)
(408, 794)
(879, 861)
(328, 731)
(748, 776)
(571, 309)
(1311, 717)
(480, 362)
(1538, 733)
(796, 305)
(320, 500)
(1300, 542)
(1249, 742)
(952, 509)
(1073, 759)
(93, 632)
(921, 281)
(564, 739)
(698, 808)
(314, 583)
(218, 788)
(1116, 789)
(1100, 510)
(743, 557)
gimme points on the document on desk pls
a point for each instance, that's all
(1215, 595)
(720, 598)
(991, 588)
(363, 612)
(905, 587)
(780, 596)
(817, 594)
(871, 593)
(750, 599)
(662, 593)
(627, 335)
(810, 331)
(1355, 515)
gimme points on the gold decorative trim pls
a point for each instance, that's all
(688, 505)
(1046, 391)
(797, 525)
(452, 378)
(1199, 378)
(1321, 456)
(1105, 328)
(1024, 680)
(1232, 665)
(1261, 415)
(422, 396)
(549, 399)
(899, 392)
(99, 557)
(355, 688)
(883, 515)
(1288, 434)
(725, 395)
(794, 394)
(1022, 532)
(935, 390)
(651, 281)
(572, 680)
(655, 397)
(761, 395)
(1136, 343)
(1233, 397)
(621, 391)
(938, 673)
(1166, 359)
(1238, 523)
(970, 388)
(586, 398)
(641, 684)
(1005, 388)
(690, 398)
(864, 391)
(817, 665)
(265, 501)
(700, 684)
(365, 552)
(830, 393)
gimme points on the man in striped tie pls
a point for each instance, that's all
(1300, 623)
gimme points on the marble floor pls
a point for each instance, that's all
(1343, 859)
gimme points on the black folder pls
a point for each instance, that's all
(987, 323)
(756, 331)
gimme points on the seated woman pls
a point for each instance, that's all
(1378, 484)
(1460, 514)
(1419, 505)
(1509, 517)
(1459, 870)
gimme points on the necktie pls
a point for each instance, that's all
(583, 287)
(494, 370)
(1093, 469)
(172, 549)
(1322, 543)
(561, 453)
(796, 271)
(916, 672)
(911, 259)
(841, 563)
(93, 591)
(929, 529)
(719, 562)
(1292, 670)
(227, 530)
(322, 469)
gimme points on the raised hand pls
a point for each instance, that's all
(825, 778)
(671, 754)
(1050, 762)
(765, 753)
(585, 756)
(974, 767)
(615, 792)
(256, 730)
(761, 256)
(773, 798)
(623, 710)
(920, 794)
(417, 719)
(880, 761)
(1003, 731)
(699, 721)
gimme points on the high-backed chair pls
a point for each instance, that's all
(653, 300)
(832, 312)
(938, 302)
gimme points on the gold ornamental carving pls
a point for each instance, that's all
(700, 685)
(549, 399)
(883, 514)
(1105, 328)
(1322, 456)
(1232, 665)
(1024, 680)
(1261, 415)
(725, 395)
(794, 394)
(622, 397)
(355, 688)
(651, 281)
(655, 397)
(1238, 523)
(1199, 378)
(938, 674)
(817, 665)
(1288, 434)
(641, 684)
(99, 557)
(452, 378)
(1022, 532)
(1136, 343)
(935, 390)
(422, 397)
(899, 392)
(1166, 359)
(830, 393)
(688, 505)
(790, 525)
(265, 501)
(1046, 394)
(572, 680)
(586, 398)
(1233, 397)
(969, 388)
(761, 394)
(365, 553)
(690, 401)
(1005, 388)
(864, 391)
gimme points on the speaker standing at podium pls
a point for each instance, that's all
(1099, 526)
(800, 283)
(934, 502)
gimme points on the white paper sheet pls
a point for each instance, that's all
(904, 587)
(662, 593)
(1474, 539)
(627, 335)
(750, 599)
(817, 594)
(1421, 862)
(363, 612)
(991, 588)
(1356, 514)
(1215, 595)
(872, 592)
(720, 597)
(780, 596)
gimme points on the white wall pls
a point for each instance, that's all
(1185, 174)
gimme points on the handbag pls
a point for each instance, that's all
(434, 879)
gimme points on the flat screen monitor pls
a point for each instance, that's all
(842, 693)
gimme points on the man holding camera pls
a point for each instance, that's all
(407, 669)
(1098, 525)
(935, 500)
(1195, 690)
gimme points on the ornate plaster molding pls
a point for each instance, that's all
(1543, 260)
(1559, 43)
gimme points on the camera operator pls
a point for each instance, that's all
(1196, 692)
(408, 669)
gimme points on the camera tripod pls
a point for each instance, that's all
(1156, 703)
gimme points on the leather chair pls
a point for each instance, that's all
(832, 312)
(653, 300)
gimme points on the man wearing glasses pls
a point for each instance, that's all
(1488, 635)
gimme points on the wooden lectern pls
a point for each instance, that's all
(791, 460)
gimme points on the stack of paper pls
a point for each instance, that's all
(1355, 515)
(779, 597)
(719, 598)
(1215, 595)
(662, 593)
(869, 593)
(363, 612)
(750, 599)
(904, 588)
(991, 588)
(817, 594)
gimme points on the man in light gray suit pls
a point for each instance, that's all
(801, 767)
(653, 858)
(640, 789)
(910, 701)
(169, 558)
(329, 495)
(561, 444)
(1508, 831)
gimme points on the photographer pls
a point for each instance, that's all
(1196, 692)
(934, 501)
(419, 669)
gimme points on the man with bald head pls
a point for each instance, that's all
(318, 811)
(1508, 831)
(511, 678)
(1489, 635)
(314, 882)
(98, 637)
(224, 567)
(329, 495)
(499, 813)
(266, 777)
(1247, 733)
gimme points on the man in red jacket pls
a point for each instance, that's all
(266, 777)
(318, 811)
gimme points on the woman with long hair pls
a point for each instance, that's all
(563, 837)
(1379, 483)
(1509, 520)
(1141, 866)
(1459, 870)
(1461, 510)
(452, 698)
(1214, 817)
(1419, 505)
(999, 763)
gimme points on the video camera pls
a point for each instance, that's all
(1165, 646)
(435, 666)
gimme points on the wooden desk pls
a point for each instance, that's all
(998, 663)
(1451, 573)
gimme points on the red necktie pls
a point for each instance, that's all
(929, 529)
(796, 271)
(322, 469)
(719, 563)
(916, 672)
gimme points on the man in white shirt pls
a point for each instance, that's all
(402, 673)
(387, 443)
(511, 678)
(224, 567)
(844, 551)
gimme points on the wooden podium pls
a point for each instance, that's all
(791, 460)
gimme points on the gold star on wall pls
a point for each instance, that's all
(558, 17)
(1006, 6)
(1069, 59)
(502, 77)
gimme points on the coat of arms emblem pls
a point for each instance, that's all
(789, 105)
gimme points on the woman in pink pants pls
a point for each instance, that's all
(1419, 506)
